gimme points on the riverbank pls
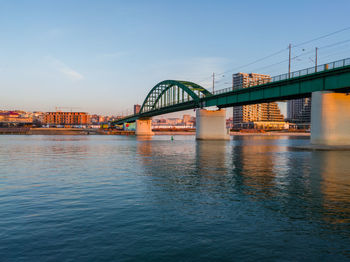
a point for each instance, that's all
(92, 131)
(272, 133)
(62, 131)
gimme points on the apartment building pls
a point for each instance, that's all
(66, 118)
(299, 110)
(266, 112)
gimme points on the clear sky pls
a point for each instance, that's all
(104, 56)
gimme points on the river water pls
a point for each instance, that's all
(119, 198)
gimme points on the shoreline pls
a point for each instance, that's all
(273, 133)
(79, 131)
(62, 131)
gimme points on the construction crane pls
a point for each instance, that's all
(59, 108)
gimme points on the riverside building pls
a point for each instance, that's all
(259, 116)
(66, 118)
(137, 109)
(299, 112)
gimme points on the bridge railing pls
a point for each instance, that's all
(303, 72)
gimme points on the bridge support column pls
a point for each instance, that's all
(144, 127)
(211, 125)
(330, 119)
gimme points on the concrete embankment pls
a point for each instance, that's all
(182, 133)
(14, 130)
(77, 131)
(61, 131)
(274, 133)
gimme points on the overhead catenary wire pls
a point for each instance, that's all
(346, 50)
(321, 37)
(278, 52)
(304, 54)
(248, 64)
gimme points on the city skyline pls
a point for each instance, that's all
(104, 58)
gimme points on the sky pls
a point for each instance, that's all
(104, 56)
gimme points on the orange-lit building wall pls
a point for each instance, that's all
(67, 118)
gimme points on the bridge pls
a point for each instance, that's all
(327, 84)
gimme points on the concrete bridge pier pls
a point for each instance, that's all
(144, 127)
(211, 125)
(330, 119)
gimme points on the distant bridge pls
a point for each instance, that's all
(173, 95)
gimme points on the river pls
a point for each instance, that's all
(122, 198)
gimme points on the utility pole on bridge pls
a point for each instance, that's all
(316, 59)
(290, 52)
(213, 82)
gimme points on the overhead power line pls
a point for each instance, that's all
(323, 36)
(337, 43)
(304, 54)
(280, 51)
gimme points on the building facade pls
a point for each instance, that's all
(186, 119)
(66, 118)
(137, 109)
(16, 117)
(244, 80)
(299, 110)
(245, 116)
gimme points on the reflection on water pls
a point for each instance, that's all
(153, 198)
(212, 158)
(334, 168)
(264, 168)
(302, 185)
(254, 164)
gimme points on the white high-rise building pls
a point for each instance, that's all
(265, 112)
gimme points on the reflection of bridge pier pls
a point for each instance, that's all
(254, 166)
(211, 158)
(332, 167)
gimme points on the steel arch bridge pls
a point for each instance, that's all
(172, 92)
(172, 95)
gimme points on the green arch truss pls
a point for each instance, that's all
(171, 92)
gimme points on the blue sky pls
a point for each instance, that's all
(104, 56)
